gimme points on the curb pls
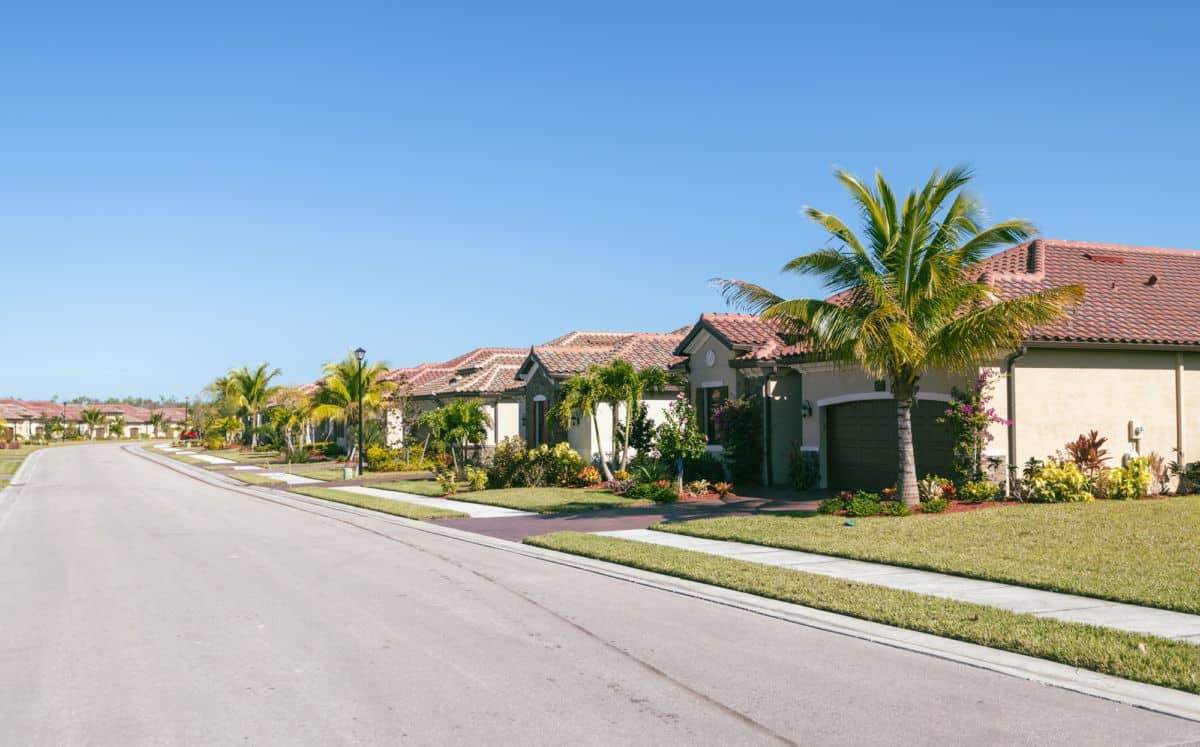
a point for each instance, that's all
(1127, 692)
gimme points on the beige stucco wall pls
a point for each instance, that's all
(1191, 406)
(1063, 393)
(703, 375)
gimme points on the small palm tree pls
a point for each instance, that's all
(93, 419)
(116, 426)
(461, 422)
(337, 394)
(584, 393)
(291, 412)
(250, 391)
(622, 383)
(909, 298)
(158, 422)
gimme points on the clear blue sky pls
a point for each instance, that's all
(180, 194)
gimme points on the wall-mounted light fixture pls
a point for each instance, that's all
(806, 409)
(880, 385)
(575, 418)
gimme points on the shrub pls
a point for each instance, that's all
(505, 460)
(588, 475)
(622, 475)
(863, 504)
(935, 505)
(722, 489)
(894, 508)
(514, 465)
(696, 487)
(328, 449)
(831, 506)
(650, 471)
(1055, 482)
(1188, 474)
(740, 430)
(653, 491)
(1126, 483)
(477, 477)
(804, 467)
(707, 466)
(931, 487)
(1088, 453)
(214, 443)
(381, 459)
(978, 491)
(447, 481)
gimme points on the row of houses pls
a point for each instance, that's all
(29, 419)
(1126, 362)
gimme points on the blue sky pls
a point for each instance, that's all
(180, 194)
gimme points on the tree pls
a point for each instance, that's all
(117, 426)
(54, 426)
(908, 295)
(622, 383)
(679, 437)
(250, 391)
(291, 411)
(337, 393)
(158, 422)
(584, 392)
(458, 423)
(93, 419)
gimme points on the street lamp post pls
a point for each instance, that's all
(359, 355)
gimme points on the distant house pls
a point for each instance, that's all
(1126, 363)
(546, 366)
(488, 374)
(29, 418)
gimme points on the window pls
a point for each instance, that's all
(539, 422)
(707, 401)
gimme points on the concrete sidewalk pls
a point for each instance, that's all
(1067, 607)
(474, 510)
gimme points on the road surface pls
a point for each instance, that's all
(142, 606)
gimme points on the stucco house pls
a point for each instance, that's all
(29, 417)
(1125, 362)
(546, 366)
(488, 374)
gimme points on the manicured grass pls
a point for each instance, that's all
(1141, 552)
(1162, 662)
(541, 500)
(335, 473)
(253, 478)
(428, 488)
(11, 459)
(397, 507)
(550, 500)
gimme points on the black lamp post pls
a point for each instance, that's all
(359, 354)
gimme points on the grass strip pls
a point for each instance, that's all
(1125, 551)
(253, 478)
(546, 500)
(427, 488)
(1157, 661)
(384, 505)
(336, 473)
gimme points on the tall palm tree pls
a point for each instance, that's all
(117, 426)
(907, 295)
(291, 410)
(158, 422)
(93, 419)
(624, 384)
(584, 392)
(250, 390)
(337, 393)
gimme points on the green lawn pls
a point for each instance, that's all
(11, 459)
(397, 507)
(253, 478)
(335, 473)
(1141, 552)
(540, 500)
(1162, 662)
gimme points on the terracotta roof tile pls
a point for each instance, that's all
(575, 351)
(479, 371)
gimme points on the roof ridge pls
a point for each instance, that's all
(1070, 244)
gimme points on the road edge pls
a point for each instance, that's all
(1106, 687)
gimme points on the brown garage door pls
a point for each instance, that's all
(862, 443)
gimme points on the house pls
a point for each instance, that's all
(546, 366)
(488, 374)
(29, 417)
(1126, 363)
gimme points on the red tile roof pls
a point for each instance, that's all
(479, 371)
(575, 351)
(40, 409)
(1133, 295)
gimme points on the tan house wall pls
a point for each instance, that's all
(1063, 393)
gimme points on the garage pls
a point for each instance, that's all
(862, 445)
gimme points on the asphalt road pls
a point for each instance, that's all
(140, 606)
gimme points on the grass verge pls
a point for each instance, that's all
(335, 473)
(1157, 661)
(385, 505)
(427, 488)
(549, 500)
(1125, 551)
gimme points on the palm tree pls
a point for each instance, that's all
(93, 419)
(117, 426)
(290, 412)
(337, 394)
(908, 297)
(158, 422)
(622, 383)
(460, 422)
(584, 392)
(250, 390)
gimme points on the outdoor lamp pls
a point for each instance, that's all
(359, 355)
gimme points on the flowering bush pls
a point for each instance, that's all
(589, 475)
(932, 487)
(1126, 483)
(722, 489)
(515, 466)
(696, 487)
(970, 417)
(1057, 482)
(618, 487)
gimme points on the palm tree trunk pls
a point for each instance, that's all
(604, 470)
(254, 430)
(628, 432)
(906, 483)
